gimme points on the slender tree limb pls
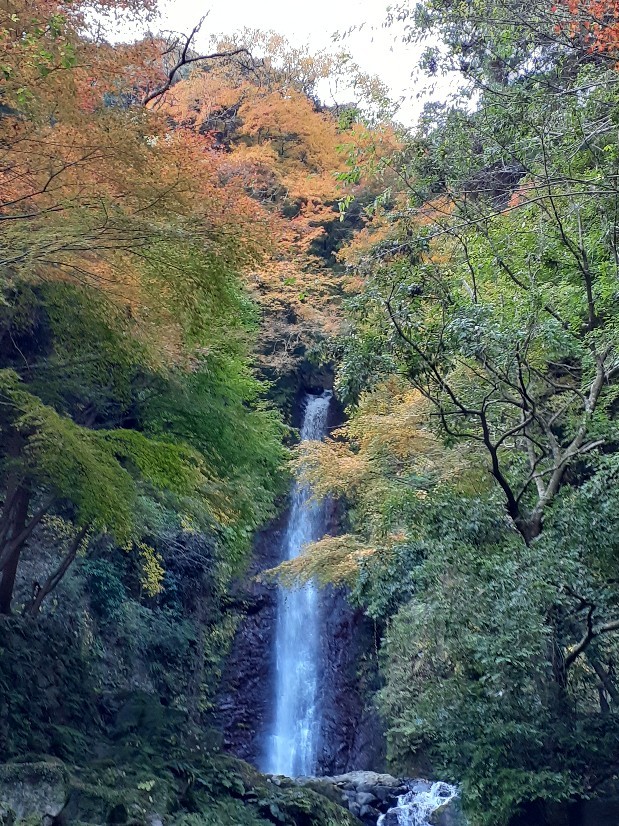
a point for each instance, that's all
(40, 592)
(185, 60)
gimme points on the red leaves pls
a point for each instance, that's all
(594, 22)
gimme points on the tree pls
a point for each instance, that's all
(121, 263)
(496, 291)
(286, 151)
(487, 286)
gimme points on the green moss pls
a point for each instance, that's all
(223, 813)
(46, 710)
(211, 791)
(30, 790)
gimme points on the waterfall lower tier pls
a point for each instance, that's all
(383, 800)
(416, 807)
(292, 747)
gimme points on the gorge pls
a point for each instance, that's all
(258, 327)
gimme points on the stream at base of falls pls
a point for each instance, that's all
(416, 807)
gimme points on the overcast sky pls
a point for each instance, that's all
(377, 50)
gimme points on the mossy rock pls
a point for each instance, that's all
(235, 794)
(32, 792)
(449, 814)
(223, 813)
(304, 807)
(285, 805)
(106, 795)
(207, 790)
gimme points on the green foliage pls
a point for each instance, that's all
(47, 710)
(96, 470)
(219, 412)
(492, 293)
(105, 588)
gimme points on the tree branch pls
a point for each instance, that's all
(185, 60)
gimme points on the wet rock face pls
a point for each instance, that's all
(246, 698)
(32, 791)
(352, 736)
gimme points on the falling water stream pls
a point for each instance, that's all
(292, 747)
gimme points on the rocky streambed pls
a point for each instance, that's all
(383, 800)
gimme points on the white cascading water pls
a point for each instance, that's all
(293, 745)
(415, 807)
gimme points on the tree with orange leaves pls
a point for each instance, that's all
(288, 153)
(124, 310)
(593, 23)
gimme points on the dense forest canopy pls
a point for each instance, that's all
(169, 223)
(183, 237)
(481, 368)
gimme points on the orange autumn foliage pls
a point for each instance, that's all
(283, 151)
(595, 23)
(94, 188)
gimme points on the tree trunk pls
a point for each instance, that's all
(16, 526)
(34, 606)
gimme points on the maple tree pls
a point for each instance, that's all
(111, 216)
(162, 183)
(289, 153)
(594, 23)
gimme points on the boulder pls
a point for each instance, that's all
(365, 780)
(354, 808)
(366, 794)
(418, 786)
(386, 793)
(449, 814)
(35, 791)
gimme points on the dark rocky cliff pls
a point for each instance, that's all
(351, 735)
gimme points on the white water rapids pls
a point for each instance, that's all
(416, 806)
(292, 747)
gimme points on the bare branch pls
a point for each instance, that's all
(185, 60)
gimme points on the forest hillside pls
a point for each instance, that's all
(197, 255)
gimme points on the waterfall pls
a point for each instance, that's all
(416, 806)
(293, 744)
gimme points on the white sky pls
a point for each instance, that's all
(377, 50)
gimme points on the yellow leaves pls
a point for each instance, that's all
(385, 454)
(152, 571)
(389, 430)
(433, 212)
(94, 187)
(334, 559)
(392, 421)
(332, 468)
(276, 145)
